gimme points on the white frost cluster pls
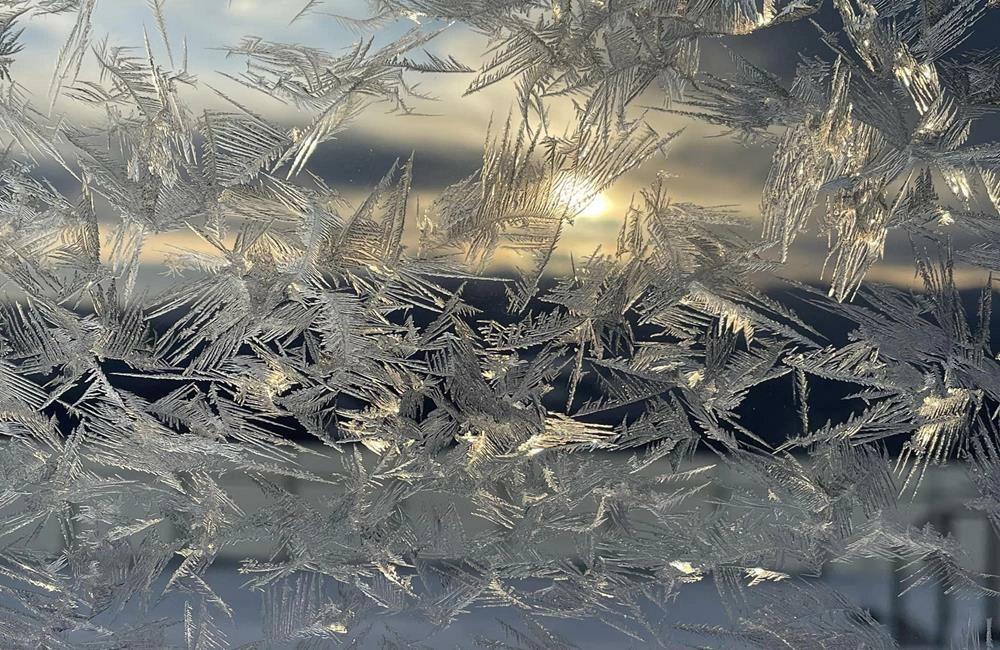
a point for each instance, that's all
(580, 451)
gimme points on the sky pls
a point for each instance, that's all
(447, 137)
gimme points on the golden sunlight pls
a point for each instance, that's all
(580, 197)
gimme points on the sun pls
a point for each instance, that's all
(581, 197)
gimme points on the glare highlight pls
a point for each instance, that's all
(581, 198)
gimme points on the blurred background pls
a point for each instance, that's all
(446, 137)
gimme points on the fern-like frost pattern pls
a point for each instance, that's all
(378, 425)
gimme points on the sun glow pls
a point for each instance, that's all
(581, 198)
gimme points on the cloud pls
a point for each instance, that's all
(448, 139)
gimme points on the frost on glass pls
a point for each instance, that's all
(361, 421)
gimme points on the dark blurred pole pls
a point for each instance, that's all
(895, 600)
(992, 608)
(943, 600)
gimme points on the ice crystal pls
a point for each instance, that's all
(383, 426)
